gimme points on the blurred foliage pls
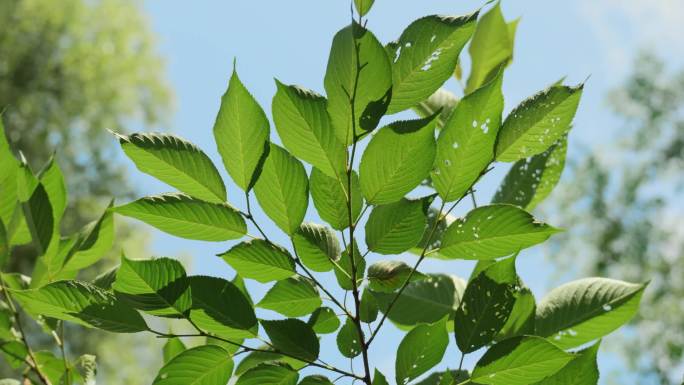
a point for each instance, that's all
(624, 201)
(69, 69)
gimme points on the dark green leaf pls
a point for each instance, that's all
(292, 297)
(260, 260)
(283, 189)
(379, 378)
(315, 379)
(176, 162)
(349, 340)
(256, 358)
(396, 227)
(269, 374)
(317, 246)
(241, 131)
(368, 307)
(388, 276)
(421, 349)
(493, 231)
(203, 365)
(425, 56)
(386, 176)
(451, 377)
(324, 321)
(521, 320)
(582, 370)
(330, 198)
(293, 337)
(39, 217)
(186, 217)
(14, 352)
(52, 179)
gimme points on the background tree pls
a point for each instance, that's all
(68, 70)
(623, 200)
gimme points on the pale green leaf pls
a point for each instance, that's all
(521, 320)
(305, 129)
(283, 189)
(175, 162)
(396, 227)
(324, 321)
(582, 370)
(330, 198)
(420, 350)
(256, 358)
(187, 217)
(241, 132)
(317, 246)
(387, 175)
(293, 337)
(357, 62)
(363, 6)
(531, 180)
(156, 286)
(94, 241)
(441, 101)
(52, 179)
(584, 310)
(493, 231)
(292, 297)
(202, 365)
(343, 268)
(173, 347)
(260, 260)
(519, 361)
(465, 146)
(269, 374)
(425, 56)
(40, 220)
(537, 123)
(451, 377)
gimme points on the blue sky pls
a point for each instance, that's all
(290, 40)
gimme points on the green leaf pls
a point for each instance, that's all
(537, 123)
(52, 179)
(425, 56)
(436, 296)
(315, 379)
(256, 358)
(324, 321)
(386, 176)
(487, 303)
(202, 365)
(219, 307)
(521, 320)
(451, 377)
(294, 337)
(368, 307)
(177, 163)
(82, 303)
(39, 217)
(330, 198)
(317, 246)
(292, 297)
(260, 260)
(371, 76)
(582, 370)
(241, 132)
(531, 180)
(519, 361)
(173, 347)
(363, 6)
(305, 129)
(186, 217)
(4, 245)
(442, 102)
(283, 189)
(379, 378)
(493, 231)
(343, 268)
(94, 241)
(388, 276)
(466, 144)
(491, 48)
(14, 352)
(269, 374)
(396, 227)
(431, 241)
(584, 310)
(420, 350)
(349, 340)
(156, 286)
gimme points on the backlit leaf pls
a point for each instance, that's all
(349, 340)
(293, 337)
(317, 246)
(582, 370)
(330, 198)
(421, 349)
(324, 321)
(292, 297)
(396, 227)
(202, 365)
(269, 374)
(260, 260)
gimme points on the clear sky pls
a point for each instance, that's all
(290, 40)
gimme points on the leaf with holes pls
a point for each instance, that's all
(519, 361)
(420, 350)
(186, 217)
(396, 227)
(292, 297)
(202, 365)
(386, 176)
(317, 246)
(283, 189)
(349, 340)
(303, 125)
(175, 162)
(584, 310)
(241, 132)
(465, 146)
(425, 56)
(493, 231)
(293, 337)
(537, 123)
(156, 286)
(260, 260)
